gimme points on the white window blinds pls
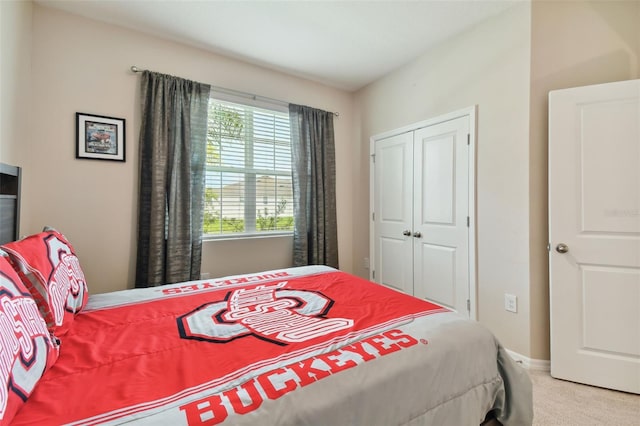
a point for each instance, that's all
(248, 178)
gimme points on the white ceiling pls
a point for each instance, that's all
(345, 44)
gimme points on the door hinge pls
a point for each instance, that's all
(373, 158)
(373, 274)
(468, 138)
(468, 221)
(373, 216)
(468, 305)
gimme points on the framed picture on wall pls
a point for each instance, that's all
(99, 137)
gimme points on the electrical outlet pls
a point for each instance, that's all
(365, 263)
(205, 275)
(510, 303)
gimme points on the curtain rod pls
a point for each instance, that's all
(135, 69)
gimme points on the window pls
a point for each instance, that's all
(248, 177)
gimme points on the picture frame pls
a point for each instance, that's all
(100, 137)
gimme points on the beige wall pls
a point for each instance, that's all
(15, 80)
(80, 65)
(572, 44)
(487, 66)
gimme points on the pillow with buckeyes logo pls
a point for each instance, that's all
(26, 346)
(49, 268)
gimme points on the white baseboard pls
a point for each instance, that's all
(530, 364)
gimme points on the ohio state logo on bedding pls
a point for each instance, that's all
(66, 285)
(23, 343)
(268, 312)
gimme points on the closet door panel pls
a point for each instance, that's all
(393, 198)
(439, 274)
(437, 175)
(441, 207)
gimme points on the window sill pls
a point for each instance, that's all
(234, 237)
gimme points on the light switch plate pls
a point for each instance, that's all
(510, 303)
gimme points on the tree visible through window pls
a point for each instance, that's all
(248, 178)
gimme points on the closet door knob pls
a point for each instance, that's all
(562, 248)
(406, 233)
(417, 234)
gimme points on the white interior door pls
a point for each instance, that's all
(393, 203)
(441, 210)
(594, 234)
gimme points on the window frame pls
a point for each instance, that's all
(224, 95)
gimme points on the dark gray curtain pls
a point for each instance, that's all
(315, 236)
(172, 172)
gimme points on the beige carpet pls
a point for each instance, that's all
(558, 402)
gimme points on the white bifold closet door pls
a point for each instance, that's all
(421, 212)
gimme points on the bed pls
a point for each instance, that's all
(299, 346)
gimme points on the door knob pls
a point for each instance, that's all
(406, 233)
(562, 248)
(417, 234)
